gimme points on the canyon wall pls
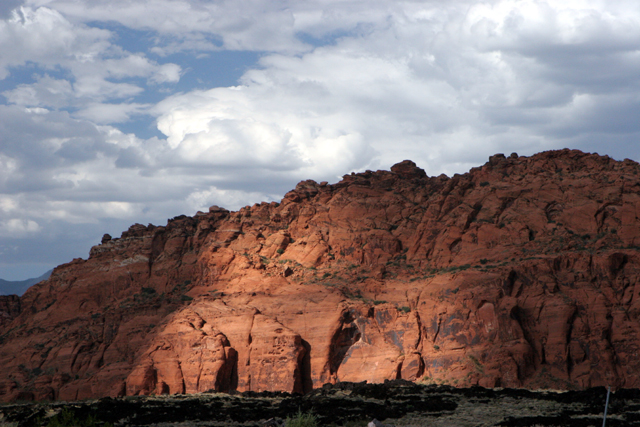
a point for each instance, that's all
(524, 272)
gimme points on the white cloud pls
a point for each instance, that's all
(47, 91)
(246, 128)
(18, 227)
(44, 36)
(111, 113)
(95, 70)
(78, 212)
(7, 204)
(167, 73)
(8, 167)
(201, 200)
(243, 25)
(341, 85)
(422, 78)
(95, 87)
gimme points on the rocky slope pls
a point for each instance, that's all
(9, 308)
(524, 272)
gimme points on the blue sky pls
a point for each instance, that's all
(118, 112)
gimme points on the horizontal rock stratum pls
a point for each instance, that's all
(524, 272)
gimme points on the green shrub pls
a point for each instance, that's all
(66, 418)
(301, 420)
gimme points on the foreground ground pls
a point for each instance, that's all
(397, 403)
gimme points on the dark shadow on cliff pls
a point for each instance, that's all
(305, 369)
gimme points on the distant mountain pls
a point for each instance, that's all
(18, 287)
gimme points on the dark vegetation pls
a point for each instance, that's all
(397, 402)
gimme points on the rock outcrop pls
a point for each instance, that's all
(9, 308)
(524, 272)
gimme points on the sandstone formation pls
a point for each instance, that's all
(9, 308)
(524, 272)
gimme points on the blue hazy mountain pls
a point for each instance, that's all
(18, 287)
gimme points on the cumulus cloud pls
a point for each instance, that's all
(247, 25)
(18, 227)
(94, 70)
(46, 37)
(246, 128)
(340, 86)
(443, 85)
(167, 73)
(45, 92)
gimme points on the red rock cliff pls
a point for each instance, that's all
(9, 308)
(524, 272)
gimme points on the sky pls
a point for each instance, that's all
(115, 112)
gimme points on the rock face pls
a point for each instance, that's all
(524, 272)
(9, 308)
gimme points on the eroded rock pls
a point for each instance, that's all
(523, 272)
